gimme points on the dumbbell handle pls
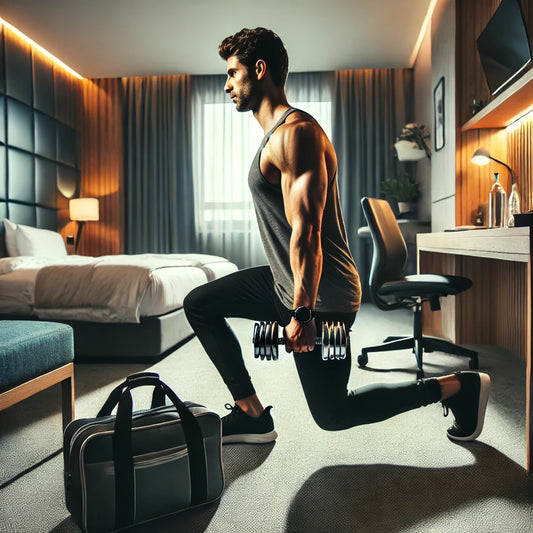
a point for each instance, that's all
(282, 340)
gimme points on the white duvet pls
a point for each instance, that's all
(119, 288)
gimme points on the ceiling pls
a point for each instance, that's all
(115, 38)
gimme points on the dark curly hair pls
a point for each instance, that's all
(249, 46)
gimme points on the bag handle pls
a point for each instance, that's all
(158, 397)
(122, 448)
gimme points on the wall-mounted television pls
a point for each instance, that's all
(503, 45)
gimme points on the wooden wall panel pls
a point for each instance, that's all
(102, 165)
(472, 17)
(481, 314)
(473, 183)
(520, 154)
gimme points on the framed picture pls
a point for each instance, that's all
(438, 115)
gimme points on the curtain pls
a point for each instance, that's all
(370, 108)
(158, 168)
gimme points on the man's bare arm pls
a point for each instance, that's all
(304, 181)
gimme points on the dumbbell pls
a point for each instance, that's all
(266, 339)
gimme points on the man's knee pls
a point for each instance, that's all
(196, 303)
(189, 302)
(328, 420)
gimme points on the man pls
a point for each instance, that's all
(311, 277)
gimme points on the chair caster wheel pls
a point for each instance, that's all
(362, 359)
(473, 364)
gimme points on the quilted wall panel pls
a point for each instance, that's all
(39, 151)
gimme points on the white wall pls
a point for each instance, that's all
(423, 109)
(436, 59)
(443, 161)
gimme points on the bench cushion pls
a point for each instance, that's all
(30, 348)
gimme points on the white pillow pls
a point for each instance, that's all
(39, 242)
(11, 238)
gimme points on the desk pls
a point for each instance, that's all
(497, 309)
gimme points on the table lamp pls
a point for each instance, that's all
(82, 210)
(482, 157)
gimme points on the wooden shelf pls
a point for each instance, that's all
(511, 104)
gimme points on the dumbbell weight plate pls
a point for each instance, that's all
(265, 341)
(275, 337)
(338, 345)
(325, 341)
(344, 341)
(255, 339)
(262, 340)
(341, 340)
(268, 341)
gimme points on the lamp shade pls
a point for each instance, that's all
(84, 209)
(481, 157)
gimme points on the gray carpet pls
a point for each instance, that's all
(401, 475)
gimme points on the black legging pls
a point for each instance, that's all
(250, 294)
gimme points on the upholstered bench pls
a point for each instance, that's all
(34, 356)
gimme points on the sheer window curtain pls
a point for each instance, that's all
(224, 143)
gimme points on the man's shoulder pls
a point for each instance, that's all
(298, 127)
(302, 119)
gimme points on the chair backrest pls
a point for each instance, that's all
(390, 252)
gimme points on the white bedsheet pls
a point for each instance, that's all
(104, 289)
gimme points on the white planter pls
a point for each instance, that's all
(405, 207)
(409, 151)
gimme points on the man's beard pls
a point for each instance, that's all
(247, 98)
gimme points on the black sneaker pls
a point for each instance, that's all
(239, 427)
(468, 406)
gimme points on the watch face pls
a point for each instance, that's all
(303, 314)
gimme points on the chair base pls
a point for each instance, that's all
(419, 346)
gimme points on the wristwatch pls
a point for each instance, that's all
(303, 314)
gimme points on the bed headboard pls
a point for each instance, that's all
(38, 152)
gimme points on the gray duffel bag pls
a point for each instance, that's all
(132, 467)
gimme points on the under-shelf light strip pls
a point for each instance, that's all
(40, 48)
(517, 122)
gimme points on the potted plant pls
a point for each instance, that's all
(403, 190)
(412, 144)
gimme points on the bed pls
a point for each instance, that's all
(122, 307)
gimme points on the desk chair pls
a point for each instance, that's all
(391, 289)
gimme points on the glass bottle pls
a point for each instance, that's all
(497, 204)
(514, 205)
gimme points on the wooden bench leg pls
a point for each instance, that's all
(67, 398)
(63, 375)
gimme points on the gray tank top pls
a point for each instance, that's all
(339, 289)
